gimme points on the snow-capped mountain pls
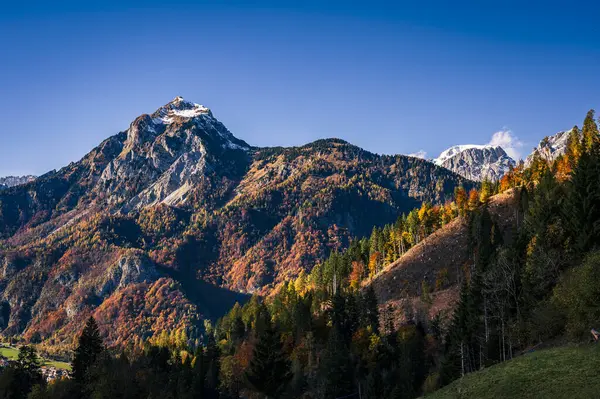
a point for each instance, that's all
(476, 162)
(551, 147)
(11, 181)
(455, 150)
(167, 154)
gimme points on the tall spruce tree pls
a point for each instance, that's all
(582, 206)
(370, 310)
(336, 370)
(88, 349)
(18, 379)
(212, 365)
(591, 136)
(269, 370)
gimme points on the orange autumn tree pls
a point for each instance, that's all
(374, 262)
(473, 202)
(357, 274)
(460, 197)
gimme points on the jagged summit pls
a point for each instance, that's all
(179, 108)
(455, 150)
(551, 147)
(476, 162)
(168, 153)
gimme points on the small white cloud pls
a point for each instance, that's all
(509, 142)
(419, 154)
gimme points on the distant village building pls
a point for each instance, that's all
(53, 373)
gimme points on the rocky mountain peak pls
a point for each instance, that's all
(476, 162)
(179, 109)
(551, 147)
(167, 153)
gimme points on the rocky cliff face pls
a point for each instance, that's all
(165, 223)
(551, 147)
(476, 162)
(169, 152)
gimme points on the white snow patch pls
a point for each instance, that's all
(190, 113)
(185, 109)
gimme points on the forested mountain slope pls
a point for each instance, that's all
(437, 266)
(442, 292)
(157, 222)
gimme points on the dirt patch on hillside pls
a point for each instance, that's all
(438, 261)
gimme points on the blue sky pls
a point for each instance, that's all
(390, 78)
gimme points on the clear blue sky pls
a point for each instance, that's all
(391, 79)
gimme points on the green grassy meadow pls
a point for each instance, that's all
(567, 372)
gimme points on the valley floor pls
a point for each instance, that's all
(12, 353)
(566, 372)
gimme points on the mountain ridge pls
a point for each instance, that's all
(488, 161)
(12, 181)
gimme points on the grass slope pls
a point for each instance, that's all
(566, 372)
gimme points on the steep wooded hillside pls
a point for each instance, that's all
(438, 264)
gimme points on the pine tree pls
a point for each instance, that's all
(89, 347)
(582, 206)
(336, 367)
(590, 133)
(22, 376)
(370, 310)
(198, 374)
(212, 364)
(269, 370)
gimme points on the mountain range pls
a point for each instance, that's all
(174, 219)
(476, 162)
(491, 162)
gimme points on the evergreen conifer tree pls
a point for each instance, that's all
(17, 380)
(336, 367)
(582, 206)
(590, 133)
(89, 347)
(370, 310)
(269, 370)
(212, 365)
